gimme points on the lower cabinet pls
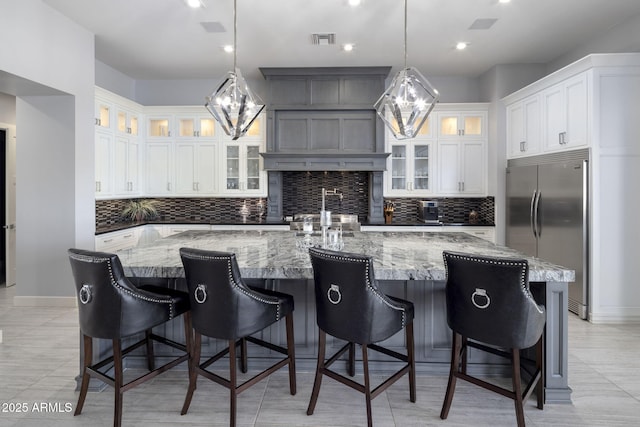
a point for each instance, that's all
(118, 240)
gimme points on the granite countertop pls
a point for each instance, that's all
(125, 225)
(275, 255)
(440, 224)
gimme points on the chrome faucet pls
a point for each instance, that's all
(325, 217)
(334, 192)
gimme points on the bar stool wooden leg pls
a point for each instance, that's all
(411, 361)
(232, 382)
(193, 375)
(367, 385)
(151, 365)
(322, 340)
(540, 368)
(188, 337)
(243, 356)
(88, 356)
(118, 383)
(451, 385)
(517, 386)
(291, 353)
(351, 367)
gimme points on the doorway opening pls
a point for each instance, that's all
(3, 206)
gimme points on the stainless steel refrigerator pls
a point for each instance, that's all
(547, 215)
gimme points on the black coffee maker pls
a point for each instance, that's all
(428, 211)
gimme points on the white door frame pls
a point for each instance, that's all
(10, 215)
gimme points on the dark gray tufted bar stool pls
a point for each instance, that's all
(490, 308)
(111, 307)
(350, 307)
(224, 307)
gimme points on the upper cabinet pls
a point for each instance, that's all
(409, 167)
(462, 168)
(159, 126)
(448, 157)
(565, 114)
(103, 112)
(550, 115)
(188, 154)
(127, 122)
(195, 126)
(117, 146)
(524, 126)
(454, 125)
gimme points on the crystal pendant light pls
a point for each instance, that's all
(233, 104)
(410, 98)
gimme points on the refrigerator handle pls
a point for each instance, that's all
(532, 214)
(536, 211)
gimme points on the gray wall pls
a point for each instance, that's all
(51, 74)
(622, 38)
(7, 109)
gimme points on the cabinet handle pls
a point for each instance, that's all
(168, 186)
(462, 185)
(562, 138)
(523, 146)
(97, 186)
(107, 240)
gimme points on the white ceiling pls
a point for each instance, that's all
(164, 39)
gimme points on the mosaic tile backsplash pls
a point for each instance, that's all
(302, 193)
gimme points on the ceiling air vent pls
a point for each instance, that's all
(213, 27)
(323, 39)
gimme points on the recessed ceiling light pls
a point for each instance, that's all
(354, 3)
(461, 45)
(348, 47)
(228, 48)
(504, 1)
(194, 3)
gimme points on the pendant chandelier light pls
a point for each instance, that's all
(407, 102)
(233, 104)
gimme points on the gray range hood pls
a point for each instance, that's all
(323, 119)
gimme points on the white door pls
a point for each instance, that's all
(10, 223)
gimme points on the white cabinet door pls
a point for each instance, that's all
(196, 168)
(103, 163)
(127, 122)
(473, 176)
(195, 126)
(467, 125)
(242, 169)
(117, 240)
(448, 167)
(524, 127)
(159, 164)
(103, 113)
(160, 126)
(125, 166)
(566, 114)
(462, 168)
(410, 169)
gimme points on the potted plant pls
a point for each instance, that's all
(140, 209)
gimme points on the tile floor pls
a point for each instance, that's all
(39, 359)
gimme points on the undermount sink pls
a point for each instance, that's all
(346, 221)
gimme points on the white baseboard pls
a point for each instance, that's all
(621, 317)
(28, 301)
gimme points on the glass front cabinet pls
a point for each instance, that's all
(243, 169)
(408, 166)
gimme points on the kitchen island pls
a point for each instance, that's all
(408, 265)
